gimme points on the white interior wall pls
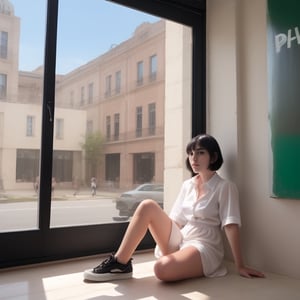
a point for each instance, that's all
(177, 106)
(237, 95)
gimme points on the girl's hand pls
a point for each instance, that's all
(249, 273)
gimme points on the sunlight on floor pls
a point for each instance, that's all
(196, 295)
(64, 281)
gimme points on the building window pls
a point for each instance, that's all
(152, 118)
(62, 165)
(112, 168)
(140, 72)
(153, 67)
(139, 121)
(30, 126)
(108, 127)
(3, 86)
(28, 164)
(82, 96)
(89, 127)
(3, 44)
(72, 98)
(118, 82)
(116, 126)
(59, 132)
(90, 93)
(108, 86)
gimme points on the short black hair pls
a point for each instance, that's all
(210, 144)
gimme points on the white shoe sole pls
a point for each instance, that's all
(91, 276)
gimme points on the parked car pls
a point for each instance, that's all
(129, 201)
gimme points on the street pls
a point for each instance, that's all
(75, 211)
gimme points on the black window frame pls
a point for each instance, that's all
(48, 244)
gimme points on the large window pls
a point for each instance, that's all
(27, 168)
(103, 106)
(62, 166)
(22, 37)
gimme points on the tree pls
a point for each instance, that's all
(93, 147)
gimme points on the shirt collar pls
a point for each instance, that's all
(211, 183)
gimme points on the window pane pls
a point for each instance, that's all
(91, 93)
(118, 82)
(108, 86)
(153, 67)
(114, 143)
(22, 36)
(140, 72)
(30, 126)
(139, 121)
(3, 86)
(3, 44)
(151, 118)
(59, 129)
(117, 126)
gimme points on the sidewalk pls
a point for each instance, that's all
(59, 195)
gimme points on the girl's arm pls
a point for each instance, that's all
(233, 235)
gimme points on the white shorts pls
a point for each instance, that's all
(174, 241)
(212, 267)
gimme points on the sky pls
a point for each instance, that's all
(86, 29)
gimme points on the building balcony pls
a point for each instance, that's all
(144, 133)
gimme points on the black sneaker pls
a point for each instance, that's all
(109, 269)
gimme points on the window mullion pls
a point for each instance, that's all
(48, 116)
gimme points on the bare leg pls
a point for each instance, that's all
(182, 264)
(148, 215)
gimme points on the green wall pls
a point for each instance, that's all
(284, 96)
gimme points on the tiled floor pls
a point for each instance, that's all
(63, 280)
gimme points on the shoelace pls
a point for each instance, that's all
(105, 262)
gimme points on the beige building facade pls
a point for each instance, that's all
(123, 93)
(119, 95)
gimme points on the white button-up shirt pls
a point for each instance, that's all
(202, 219)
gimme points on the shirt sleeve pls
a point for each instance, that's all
(229, 209)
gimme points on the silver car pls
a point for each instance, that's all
(129, 201)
